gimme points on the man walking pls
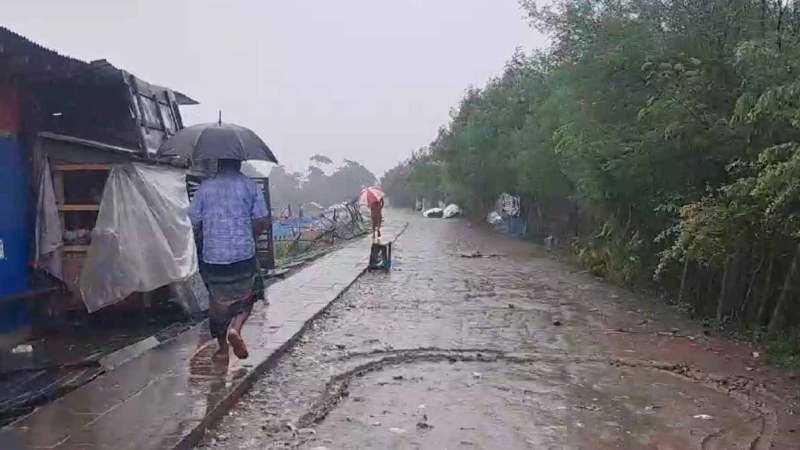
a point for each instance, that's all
(228, 212)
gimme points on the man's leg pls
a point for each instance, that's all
(238, 322)
(235, 335)
(216, 326)
(222, 353)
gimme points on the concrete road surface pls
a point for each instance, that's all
(511, 349)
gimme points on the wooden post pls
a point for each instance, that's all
(723, 289)
(58, 187)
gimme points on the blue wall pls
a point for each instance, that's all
(13, 232)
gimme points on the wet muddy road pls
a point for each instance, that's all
(510, 351)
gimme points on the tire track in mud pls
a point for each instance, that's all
(751, 396)
(719, 439)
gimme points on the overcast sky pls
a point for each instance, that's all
(369, 80)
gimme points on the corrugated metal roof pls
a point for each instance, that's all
(28, 57)
(25, 53)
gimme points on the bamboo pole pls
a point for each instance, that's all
(722, 290)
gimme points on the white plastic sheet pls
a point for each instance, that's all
(451, 211)
(494, 218)
(49, 237)
(143, 237)
(435, 213)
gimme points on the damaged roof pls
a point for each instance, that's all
(22, 57)
(104, 65)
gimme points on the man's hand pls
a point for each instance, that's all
(260, 225)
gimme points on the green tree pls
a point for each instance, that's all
(662, 134)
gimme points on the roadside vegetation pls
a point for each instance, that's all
(659, 138)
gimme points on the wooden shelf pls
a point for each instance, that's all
(83, 167)
(75, 248)
(64, 208)
(73, 185)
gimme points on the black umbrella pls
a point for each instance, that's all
(217, 141)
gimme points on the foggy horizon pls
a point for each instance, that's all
(350, 80)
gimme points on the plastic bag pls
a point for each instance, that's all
(143, 238)
(435, 213)
(451, 211)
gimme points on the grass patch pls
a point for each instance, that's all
(781, 351)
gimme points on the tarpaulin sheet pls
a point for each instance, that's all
(49, 237)
(143, 237)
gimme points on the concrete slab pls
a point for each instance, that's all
(165, 397)
(119, 357)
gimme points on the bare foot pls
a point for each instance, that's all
(237, 343)
(221, 355)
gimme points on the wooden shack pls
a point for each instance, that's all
(77, 119)
(82, 125)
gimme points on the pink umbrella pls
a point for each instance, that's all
(371, 195)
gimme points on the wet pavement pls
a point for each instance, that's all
(74, 349)
(477, 341)
(71, 354)
(165, 397)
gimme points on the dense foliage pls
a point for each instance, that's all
(662, 137)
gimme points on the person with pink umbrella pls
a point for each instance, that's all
(373, 198)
